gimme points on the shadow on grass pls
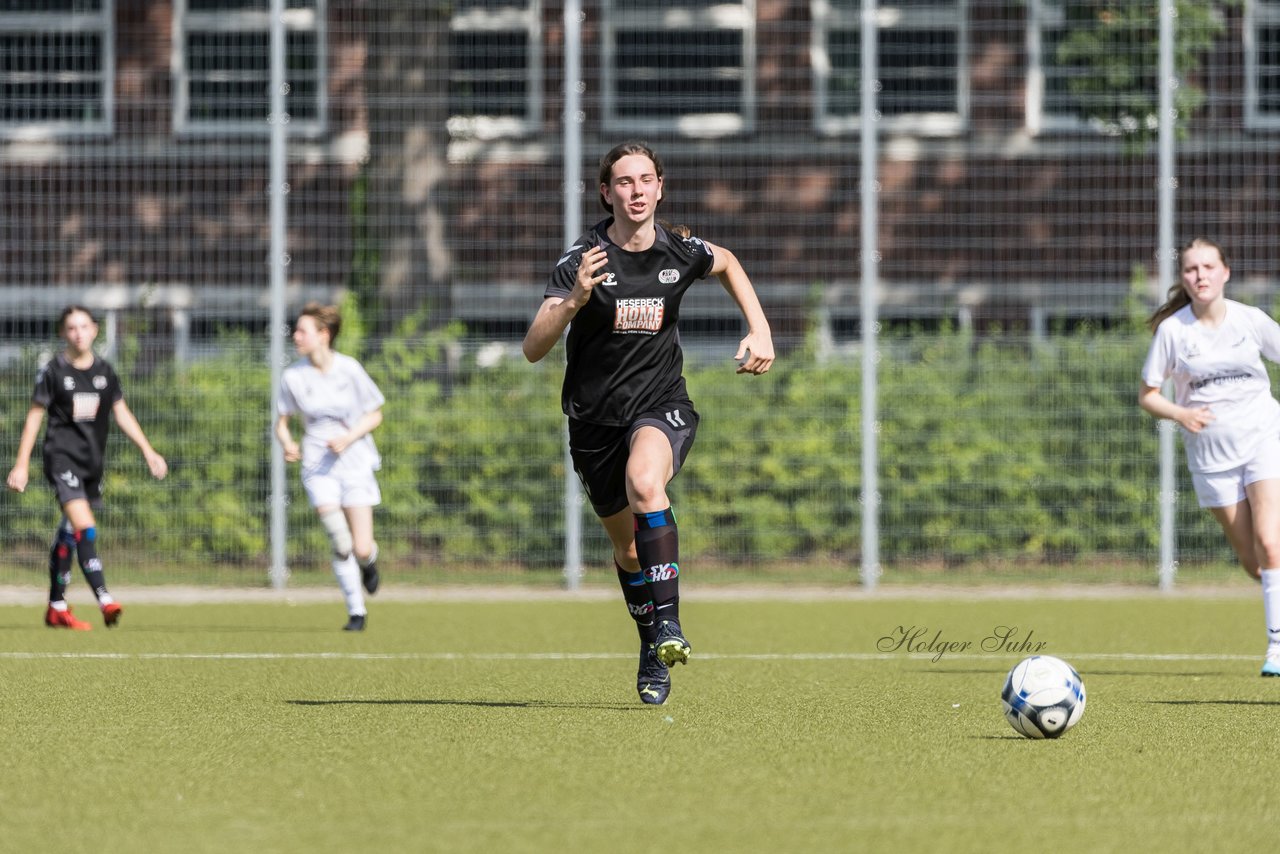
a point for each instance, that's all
(189, 628)
(1215, 702)
(483, 704)
(1084, 674)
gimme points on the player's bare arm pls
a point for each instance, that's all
(129, 426)
(292, 453)
(18, 477)
(1194, 419)
(555, 313)
(755, 352)
(367, 423)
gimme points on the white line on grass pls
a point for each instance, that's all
(446, 656)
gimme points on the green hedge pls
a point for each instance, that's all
(995, 450)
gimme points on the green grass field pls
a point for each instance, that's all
(514, 726)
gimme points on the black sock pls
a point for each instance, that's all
(90, 565)
(639, 602)
(60, 562)
(658, 547)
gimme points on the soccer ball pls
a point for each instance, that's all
(1043, 697)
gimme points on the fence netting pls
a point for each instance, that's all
(1017, 204)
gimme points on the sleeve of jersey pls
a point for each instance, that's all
(1268, 335)
(560, 283)
(703, 258)
(286, 405)
(1159, 364)
(371, 398)
(42, 394)
(117, 390)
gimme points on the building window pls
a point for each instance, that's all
(923, 53)
(1262, 64)
(222, 66)
(682, 66)
(1060, 90)
(57, 68)
(495, 70)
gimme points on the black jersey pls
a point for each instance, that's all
(78, 404)
(623, 346)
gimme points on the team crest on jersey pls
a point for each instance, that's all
(639, 315)
(68, 383)
(99, 382)
(669, 276)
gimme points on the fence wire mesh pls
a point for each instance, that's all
(1018, 227)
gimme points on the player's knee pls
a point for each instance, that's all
(335, 523)
(366, 553)
(646, 489)
(626, 555)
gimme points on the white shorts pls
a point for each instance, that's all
(333, 484)
(1226, 488)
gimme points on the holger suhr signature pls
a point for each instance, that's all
(918, 639)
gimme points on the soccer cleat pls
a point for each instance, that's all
(1271, 667)
(355, 623)
(653, 679)
(111, 614)
(370, 578)
(671, 646)
(55, 619)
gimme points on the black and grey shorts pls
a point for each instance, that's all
(600, 451)
(71, 483)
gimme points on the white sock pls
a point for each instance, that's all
(373, 557)
(104, 600)
(347, 572)
(60, 605)
(1271, 610)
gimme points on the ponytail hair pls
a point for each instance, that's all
(681, 231)
(1177, 297)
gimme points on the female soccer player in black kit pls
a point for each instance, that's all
(631, 424)
(80, 392)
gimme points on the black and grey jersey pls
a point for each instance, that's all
(623, 347)
(78, 404)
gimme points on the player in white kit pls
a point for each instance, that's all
(1212, 349)
(340, 405)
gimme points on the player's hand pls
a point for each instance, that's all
(755, 353)
(340, 444)
(155, 462)
(292, 453)
(589, 275)
(17, 480)
(1196, 419)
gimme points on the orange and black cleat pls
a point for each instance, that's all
(55, 619)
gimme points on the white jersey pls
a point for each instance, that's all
(330, 403)
(1222, 369)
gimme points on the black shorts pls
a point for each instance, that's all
(71, 483)
(600, 451)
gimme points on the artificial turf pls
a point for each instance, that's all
(514, 726)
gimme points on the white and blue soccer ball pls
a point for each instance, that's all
(1043, 697)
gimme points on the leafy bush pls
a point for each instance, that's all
(1004, 449)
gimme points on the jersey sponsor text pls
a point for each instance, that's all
(84, 406)
(639, 315)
